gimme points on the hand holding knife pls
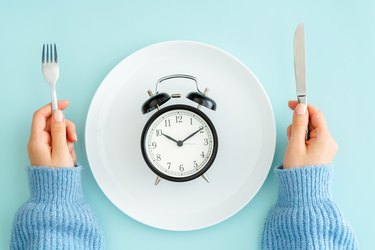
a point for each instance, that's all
(300, 67)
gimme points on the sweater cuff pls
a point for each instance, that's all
(301, 186)
(55, 184)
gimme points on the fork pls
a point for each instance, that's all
(50, 68)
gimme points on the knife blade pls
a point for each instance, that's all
(299, 63)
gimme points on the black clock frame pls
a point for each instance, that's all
(144, 145)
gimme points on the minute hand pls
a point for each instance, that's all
(192, 135)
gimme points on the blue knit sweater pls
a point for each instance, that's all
(305, 216)
(56, 215)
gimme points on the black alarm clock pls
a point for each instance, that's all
(179, 142)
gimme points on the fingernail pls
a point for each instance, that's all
(58, 115)
(75, 137)
(300, 109)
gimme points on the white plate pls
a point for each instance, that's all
(244, 121)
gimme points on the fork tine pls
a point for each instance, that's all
(43, 54)
(50, 53)
(47, 57)
(54, 45)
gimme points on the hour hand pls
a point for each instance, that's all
(179, 143)
(170, 138)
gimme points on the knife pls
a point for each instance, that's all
(299, 66)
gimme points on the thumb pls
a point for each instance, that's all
(299, 124)
(58, 132)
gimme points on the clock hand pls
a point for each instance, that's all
(192, 134)
(179, 143)
(170, 138)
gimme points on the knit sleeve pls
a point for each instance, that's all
(304, 216)
(56, 215)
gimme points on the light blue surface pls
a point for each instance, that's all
(93, 37)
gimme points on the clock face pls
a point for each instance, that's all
(179, 143)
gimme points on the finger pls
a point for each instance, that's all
(41, 116)
(313, 134)
(58, 133)
(299, 124)
(70, 146)
(48, 124)
(72, 151)
(289, 131)
(74, 156)
(46, 138)
(292, 104)
(317, 120)
(71, 131)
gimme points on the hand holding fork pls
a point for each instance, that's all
(52, 136)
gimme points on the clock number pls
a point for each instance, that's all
(154, 145)
(158, 157)
(169, 165)
(159, 132)
(202, 154)
(201, 128)
(205, 142)
(191, 121)
(167, 123)
(181, 167)
(195, 164)
(179, 119)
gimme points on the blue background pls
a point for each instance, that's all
(93, 37)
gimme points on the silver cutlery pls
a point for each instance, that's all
(300, 66)
(50, 68)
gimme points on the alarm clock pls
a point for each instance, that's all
(179, 142)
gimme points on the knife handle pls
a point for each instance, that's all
(303, 99)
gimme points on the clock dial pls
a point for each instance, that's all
(179, 143)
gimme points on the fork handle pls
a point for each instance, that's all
(53, 99)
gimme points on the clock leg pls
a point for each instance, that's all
(158, 179)
(206, 177)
